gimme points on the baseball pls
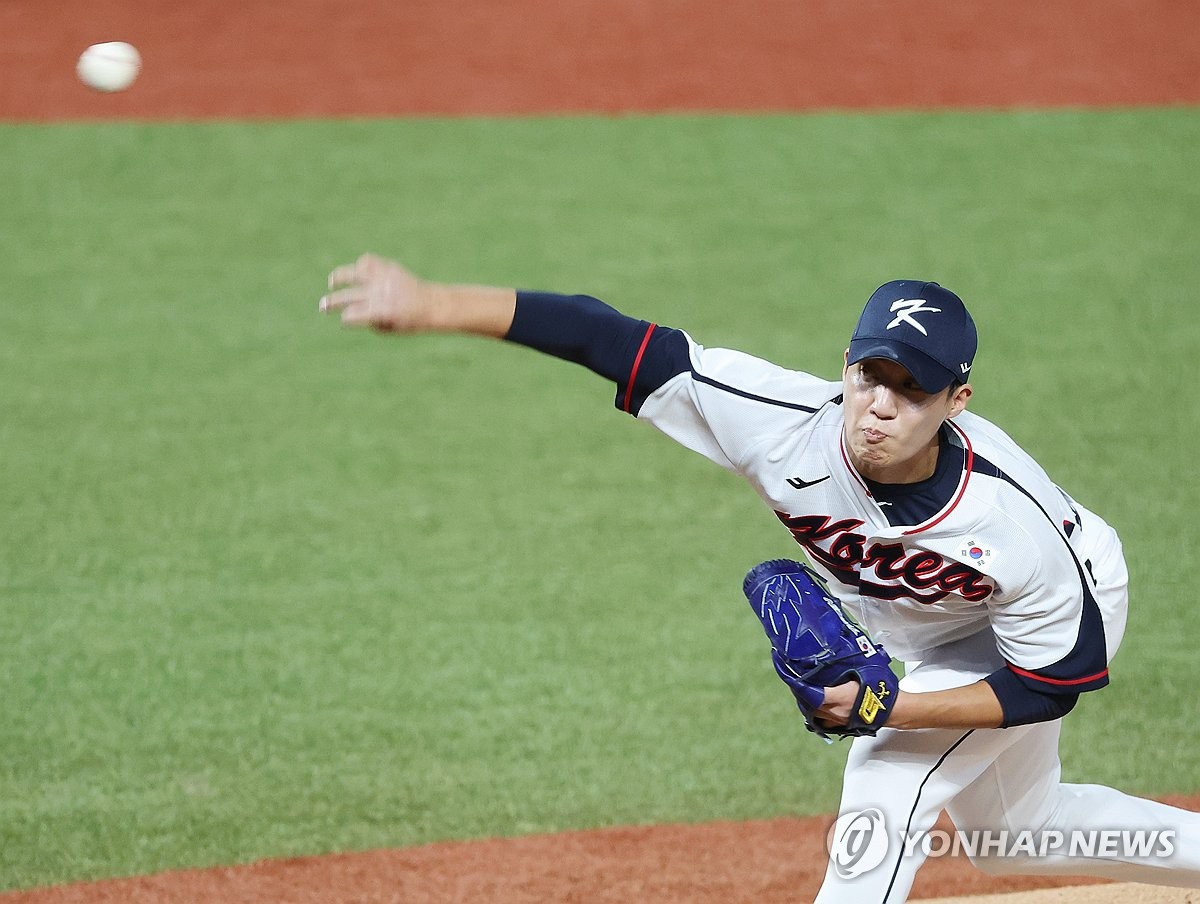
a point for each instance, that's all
(111, 66)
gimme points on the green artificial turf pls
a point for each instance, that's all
(272, 588)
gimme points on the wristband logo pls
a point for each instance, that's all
(859, 842)
(872, 702)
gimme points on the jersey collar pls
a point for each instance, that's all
(956, 496)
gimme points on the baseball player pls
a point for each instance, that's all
(1004, 597)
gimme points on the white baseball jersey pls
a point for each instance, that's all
(1009, 552)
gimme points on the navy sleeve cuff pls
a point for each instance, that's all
(1023, 705)
(638, 356)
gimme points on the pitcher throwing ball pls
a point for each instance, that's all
(948, 547)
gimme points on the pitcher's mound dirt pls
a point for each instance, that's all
(1105, 894)
(777, 861)
(221, 58)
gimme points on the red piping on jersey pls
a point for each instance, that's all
(1061, 682)
(637, 362)
(962, 487)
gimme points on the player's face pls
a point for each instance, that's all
(892, 423)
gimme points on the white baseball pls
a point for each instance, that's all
(111, 66)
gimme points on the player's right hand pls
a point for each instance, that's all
(377, 293)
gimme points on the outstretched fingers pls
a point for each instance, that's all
(379, 293)
(351, 274)
(350, 291)
(342, 299)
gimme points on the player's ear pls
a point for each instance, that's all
(959, 398)
(845, 362)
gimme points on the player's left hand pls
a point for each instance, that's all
(842, 681)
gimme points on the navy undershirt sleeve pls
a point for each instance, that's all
(635, 354)
(577, 328)
(1022, 704)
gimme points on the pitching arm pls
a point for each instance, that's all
(650, 364)
(381, 294)
(638, 356)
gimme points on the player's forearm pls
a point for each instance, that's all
(972, 706)
(384, 295)
(481, 310)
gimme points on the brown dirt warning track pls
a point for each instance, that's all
(321, 58)
(222, 58)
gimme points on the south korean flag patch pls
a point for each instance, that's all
(977, 554)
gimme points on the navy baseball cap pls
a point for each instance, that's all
(921, 326)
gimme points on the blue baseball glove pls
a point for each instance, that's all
(815, 645)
